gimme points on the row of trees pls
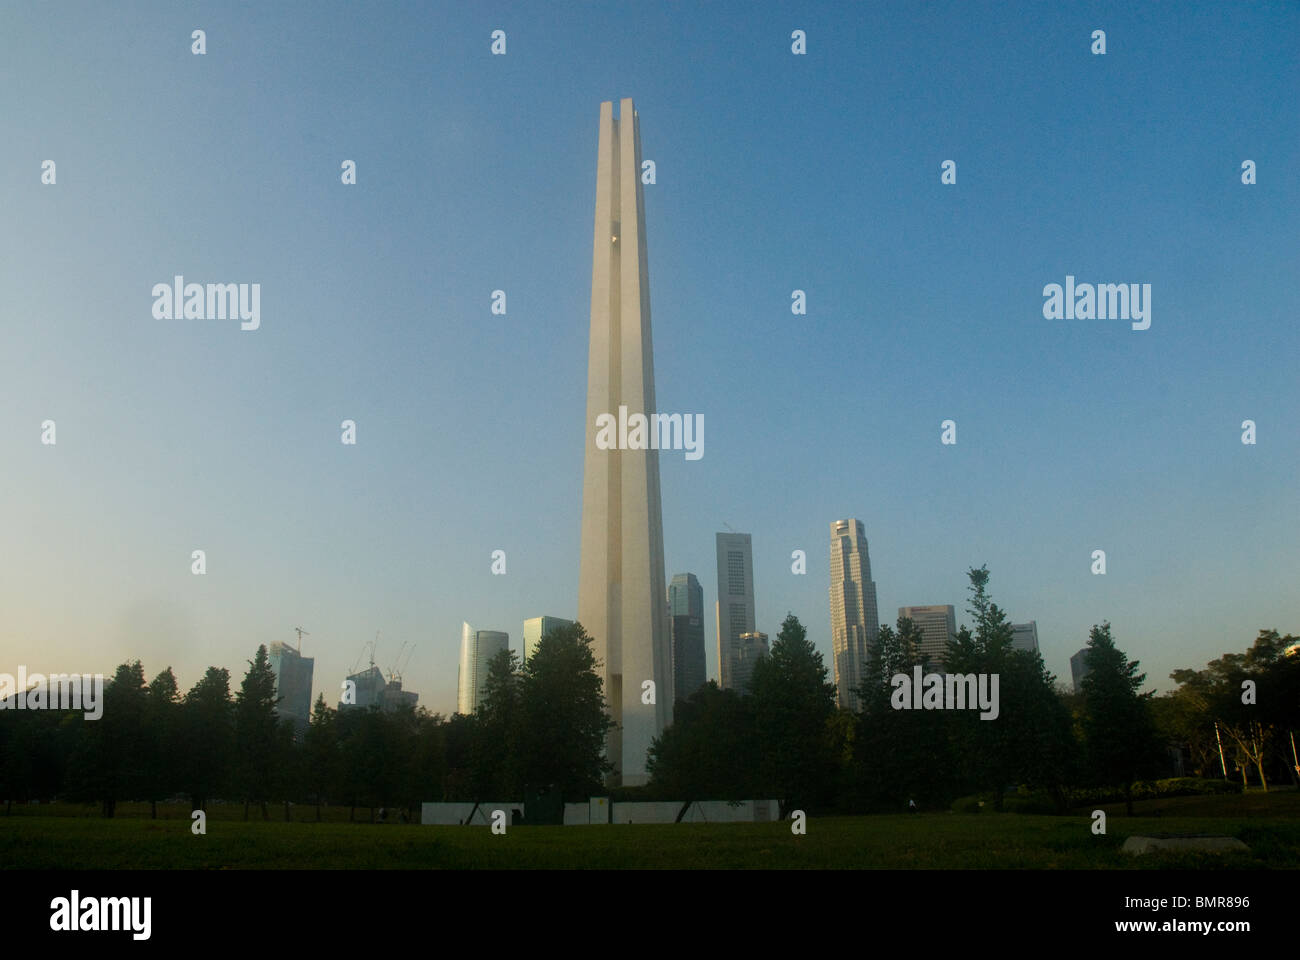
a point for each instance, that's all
(786, 738)
(542, 726)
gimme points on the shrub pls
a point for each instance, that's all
(1152, 789)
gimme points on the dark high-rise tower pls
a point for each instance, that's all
(735, 608)
(686, 610)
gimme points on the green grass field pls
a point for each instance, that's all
(1268, 823)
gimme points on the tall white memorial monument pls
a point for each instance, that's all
(622, 599)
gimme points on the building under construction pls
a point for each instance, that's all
(370, 688)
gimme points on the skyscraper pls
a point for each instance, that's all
(686, 613)
(854, 624)
(538, 627)
(753, 646)
(621, 590)
(477, 648)
(1024, 636)
(293, 674)
(735, 606)
(937, 623)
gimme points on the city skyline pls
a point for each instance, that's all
(376, 307)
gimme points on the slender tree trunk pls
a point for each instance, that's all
(352, 813)
(153, 809)
(265, 814)
(318, 809)
(286, 811)
(245, 809)
(1259, 760)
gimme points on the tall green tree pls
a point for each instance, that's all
(255, 732)
(321, 750)
(414, 782)
(162, 734)
(1121, 743)
(40, 751)
(459, 735)
(899, 755)
(793, 706)
(114, 752)
(711, 751)
(429, 759)
(498, 736)
(1030, 741)
(207, 725)
(985, 748)
(565, 722)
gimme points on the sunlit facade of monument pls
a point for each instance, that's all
(621, 590)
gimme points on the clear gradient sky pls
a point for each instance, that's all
(775, 172)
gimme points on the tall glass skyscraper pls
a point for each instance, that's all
(854, 618)
(477, 648)
(686, 615)
(735, 607)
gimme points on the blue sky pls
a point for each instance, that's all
(775, 172)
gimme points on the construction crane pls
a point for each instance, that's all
(301, 633)
(392, 670)
(399, 664)
(371, 644)
(728, 526)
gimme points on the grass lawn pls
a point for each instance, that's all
(1268, 823)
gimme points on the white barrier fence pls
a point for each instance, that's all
(598, 810)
